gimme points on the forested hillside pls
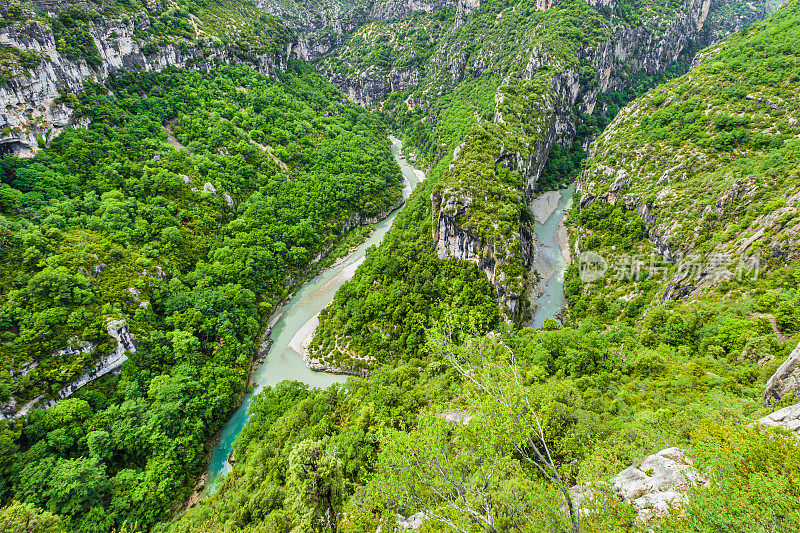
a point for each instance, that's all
(709, 160)
(490, 427)
(500, 103)
(188, 167)
(53, 46)
(191, 205)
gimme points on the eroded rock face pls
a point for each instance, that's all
(785, 380)
(413, 522)
(367, 88)
(659, 482)
(454, 241)
(111, 363)
(125, 343)
(321, 25)
(33, 110)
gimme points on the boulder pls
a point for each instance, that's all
(785, 380)
(660, 482)
(455, 416)
(413, 522)
(788, 417)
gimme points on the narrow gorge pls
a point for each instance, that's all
(295, 266)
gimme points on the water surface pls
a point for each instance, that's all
(551, 261)
(292, 327)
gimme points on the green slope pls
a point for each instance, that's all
(710, 160)
(191, 248)
(608, 388)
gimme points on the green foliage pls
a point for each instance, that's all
(72, 39)
(316, 485)
(754, 478)
(610, 226)
(290, 160)
(303, 452)
(115, 207)
(562, 166)
(25, 518)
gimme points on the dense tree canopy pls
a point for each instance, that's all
(188, 208)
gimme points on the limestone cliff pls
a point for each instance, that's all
(323, 25)
(540, 118)
(34, 109)
(108, 364)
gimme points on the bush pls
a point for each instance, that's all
(755, 481)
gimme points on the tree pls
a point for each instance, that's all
(25, 518)
(76, 485)
(450, 474)
(315, 485)
(491, 369)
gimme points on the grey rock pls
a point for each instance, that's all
(8, 408)
(413, 522)
(785, 380)
(228, 199)
(659, 482)
(788, 418)
(125, 343)
(455, 416)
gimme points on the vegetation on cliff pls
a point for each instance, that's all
(710, 160)
(237, 25)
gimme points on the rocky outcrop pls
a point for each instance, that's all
(660, 482)
(118, 331)
(785, 380)
(787, 418)
(35, 111)
(197, 491)
(125, 343)
(368, 88)
(452, 240)
(413, 522)
(321, 26)
(357, 219)
(456, 416)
